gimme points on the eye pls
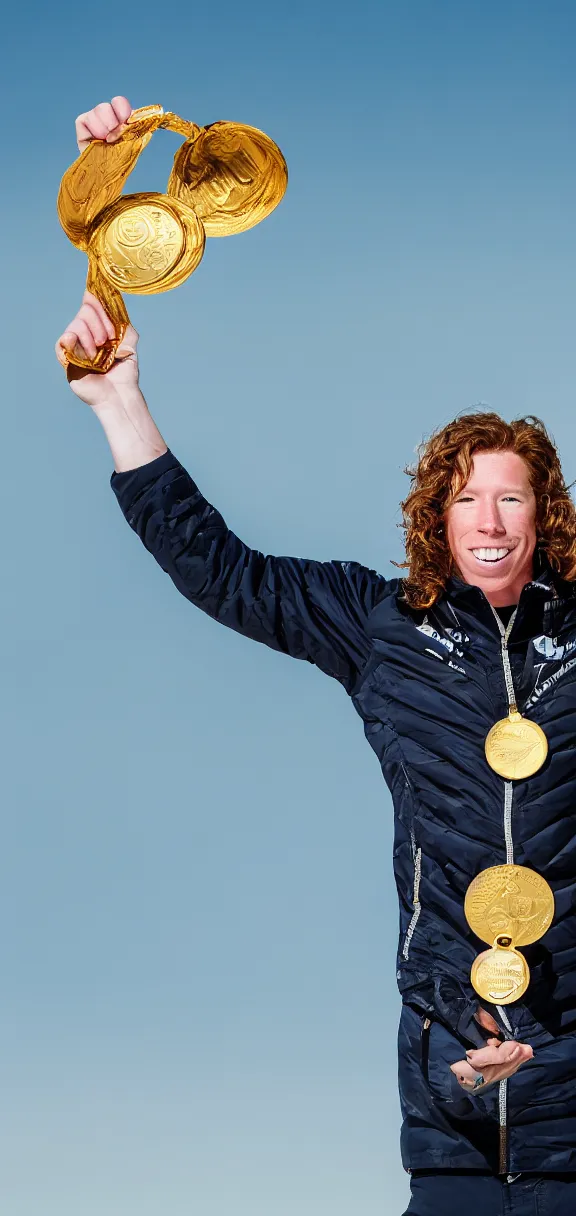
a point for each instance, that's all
(467, 498)
(511, 498)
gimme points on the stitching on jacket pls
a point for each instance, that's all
(417, 854)
(502, 1107)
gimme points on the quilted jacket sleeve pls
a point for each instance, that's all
(310, 610)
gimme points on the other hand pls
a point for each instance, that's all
(91, 327)
(495, 1062)
(106, 121)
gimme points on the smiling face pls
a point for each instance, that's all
(491, 527)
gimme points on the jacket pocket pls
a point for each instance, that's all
(439, 1048)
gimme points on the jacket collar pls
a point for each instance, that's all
(539, 602)
(545, 584)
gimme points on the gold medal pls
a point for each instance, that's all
(226, 178)
(511, 900)
(506, 906)
(500, 975)
(148, 246)
(516, 747)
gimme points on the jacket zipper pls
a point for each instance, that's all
(509, 842)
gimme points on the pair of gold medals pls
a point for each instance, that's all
(506, 906)
(509, 906)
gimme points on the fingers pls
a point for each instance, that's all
(128, 344)
(88, 325)
(504, 1053)
(491, 1063)
(91, 328)
(90, 301)
(62, 346)
(490, 1055)
(469, 1078)
(105, 121)
(67, 344)
(493, 1073)
(122, 108)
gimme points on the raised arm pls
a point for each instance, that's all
(315, 611)
(310, 610)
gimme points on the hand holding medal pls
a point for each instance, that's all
(226, 178)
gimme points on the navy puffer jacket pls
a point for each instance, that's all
(428, 687)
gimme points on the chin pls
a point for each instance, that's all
(497, 580)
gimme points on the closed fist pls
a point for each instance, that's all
(105, 121)
(90, 329)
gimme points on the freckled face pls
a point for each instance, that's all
(491, 527)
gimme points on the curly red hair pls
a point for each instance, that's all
(444, 466)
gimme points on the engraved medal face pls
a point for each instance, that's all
(511, 900)
(500, 975)
(140, 246)
(516, 747)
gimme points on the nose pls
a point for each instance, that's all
(490, 519)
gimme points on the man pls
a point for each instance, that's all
(481, 631)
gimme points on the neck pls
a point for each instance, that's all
(505, 598)
(507, 594)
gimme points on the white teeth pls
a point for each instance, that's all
(490, 555)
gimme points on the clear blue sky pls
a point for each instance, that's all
(198, 996)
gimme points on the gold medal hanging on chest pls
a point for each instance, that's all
(500, 975)
(515, 747)
(507, 907)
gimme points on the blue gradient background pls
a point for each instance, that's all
(198, 1007)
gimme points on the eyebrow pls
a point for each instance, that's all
(507, 490)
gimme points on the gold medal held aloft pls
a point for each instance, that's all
(506, 906)
(225, 179)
